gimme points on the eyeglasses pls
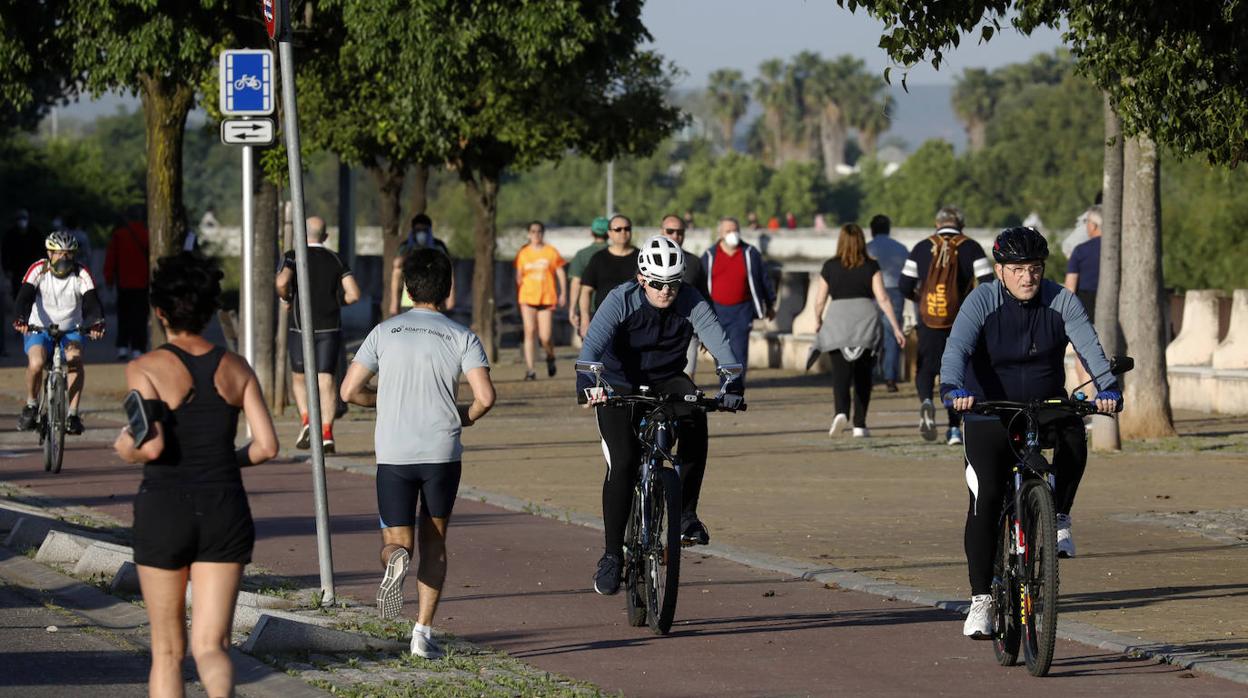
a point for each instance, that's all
(1025, 270)
(674, 231)
(623, 229)
(660, 285)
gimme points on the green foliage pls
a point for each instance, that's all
(33, 70)
(1204, 216)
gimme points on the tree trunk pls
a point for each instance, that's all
(165, 106)
(1147, 394)
(419, 200)
(483, 195)
(264, 262)
(832, 138)
(869, 140)
(976, 135)
(1105, 430)
(775, 132)
(389, 181)
(281, 350)
(727, 128)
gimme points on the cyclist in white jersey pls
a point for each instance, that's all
(57, 291)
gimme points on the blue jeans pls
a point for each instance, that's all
(890, 363)
(737, 321)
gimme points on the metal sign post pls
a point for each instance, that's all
(291, 128)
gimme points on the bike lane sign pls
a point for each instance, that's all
(246, 77)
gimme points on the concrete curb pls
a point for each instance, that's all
(277, 634)
(60, 547)
(103, 559)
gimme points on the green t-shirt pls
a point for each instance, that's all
(576, 268)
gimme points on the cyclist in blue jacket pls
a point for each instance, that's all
(640, 334)
(1008, 342)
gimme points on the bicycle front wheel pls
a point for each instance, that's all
(634, 584)
(1006, 634)
(1039, 576)
(54, 447)
(662, 556)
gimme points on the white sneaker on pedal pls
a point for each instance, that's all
(838, 423)
(978, 625)
(1065, 542)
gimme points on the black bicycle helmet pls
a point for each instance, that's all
(1020, 245)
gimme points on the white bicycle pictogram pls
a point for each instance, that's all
(248, 81)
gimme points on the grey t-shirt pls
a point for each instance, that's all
(418, 356)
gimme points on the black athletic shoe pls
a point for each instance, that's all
(551, 367)
(26, 421)
(530, 376)
(607, 578)
(692, 531)
(73, 425)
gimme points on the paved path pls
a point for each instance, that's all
(521, 584)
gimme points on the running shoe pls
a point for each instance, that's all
(26, 421)
(1065, 542)
(530, 376)
(390, 593)
(692, 530)
(73, 425)
(927, 420)
(954, 436)
(327, 444)
(838, 423)
(861, 432)
(425, 647)
(304, 442)
(978, 625)
(551, 367)
(890, 386)
(607, 578)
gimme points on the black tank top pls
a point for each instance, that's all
(199, 434)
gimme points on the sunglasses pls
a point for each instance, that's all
(660, 285)
(623, 229)
(674, 231)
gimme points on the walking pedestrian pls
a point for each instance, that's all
(22, 247)
(607, 269)
(126, 271)
(191, 518)
(576, 268)
(673, 228)
(852, 329)
(739, 286)
(1083, 274)
(891, 256)
(420, 235)
(938, 275)
(333, 286)
(418, 357)
(541, 286)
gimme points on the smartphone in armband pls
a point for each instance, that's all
(137, 421)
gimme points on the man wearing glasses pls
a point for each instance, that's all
(1009, 343)
(673, 228)
(607, 269)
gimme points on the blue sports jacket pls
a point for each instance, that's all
(639, 344)
(1016, 350)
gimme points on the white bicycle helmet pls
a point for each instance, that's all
(661, 260)
(61, 240)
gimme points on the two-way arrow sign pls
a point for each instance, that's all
(247, 131)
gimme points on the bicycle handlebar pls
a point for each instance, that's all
(53, 331)
(1081, 408)
(699, 401)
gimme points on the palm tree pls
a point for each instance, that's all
(974, 98)
(771, 92)
(728, 94)
(871, 109)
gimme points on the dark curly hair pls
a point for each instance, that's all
(186, 289)
(427, 275)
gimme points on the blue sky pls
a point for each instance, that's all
(703, 35)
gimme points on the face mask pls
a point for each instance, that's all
(22, 223)
(63, 266)
(732, 240)
(423, 238)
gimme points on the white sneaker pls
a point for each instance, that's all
(425, 647)
(838, 423)
(927, 420)
(390, 592)
(860, 432)
(978, 625)
(1065, 542)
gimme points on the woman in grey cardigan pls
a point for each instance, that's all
(851, 332)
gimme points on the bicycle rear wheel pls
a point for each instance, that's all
(634, 584)
(1006, 634)
(54, 447)
(1039, 576)
(662, 558)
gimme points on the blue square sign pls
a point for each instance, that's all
(246, 82)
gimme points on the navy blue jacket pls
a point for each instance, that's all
(1016, 350)
(762, 294)
(639, 344)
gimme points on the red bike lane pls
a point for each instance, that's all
(521, 584)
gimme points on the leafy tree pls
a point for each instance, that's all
(975, 95)
(729, 95)
(34, 70)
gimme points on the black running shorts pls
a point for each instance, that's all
(177, 525)
(399, 487)
(326, 347)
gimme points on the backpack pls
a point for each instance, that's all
(939, 299)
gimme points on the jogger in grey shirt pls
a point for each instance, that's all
(418, 357)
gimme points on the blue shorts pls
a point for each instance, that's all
(35, 339)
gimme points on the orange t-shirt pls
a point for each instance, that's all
(535, 275)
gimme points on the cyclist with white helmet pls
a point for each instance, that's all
(57, 290)
(639, 334)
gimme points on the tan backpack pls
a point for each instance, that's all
(939, 299)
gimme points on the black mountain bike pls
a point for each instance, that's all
(652, 543)
(53, 401)
(1024, 571)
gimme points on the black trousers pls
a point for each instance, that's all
(931, 349)
(618, 428)
(132, 312)
(989, 459)
(855, 374)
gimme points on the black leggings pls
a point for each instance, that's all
(931, 350)
(857, 373)
(989, 458)
(618, 428)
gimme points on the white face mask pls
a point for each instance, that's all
(732, 240)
